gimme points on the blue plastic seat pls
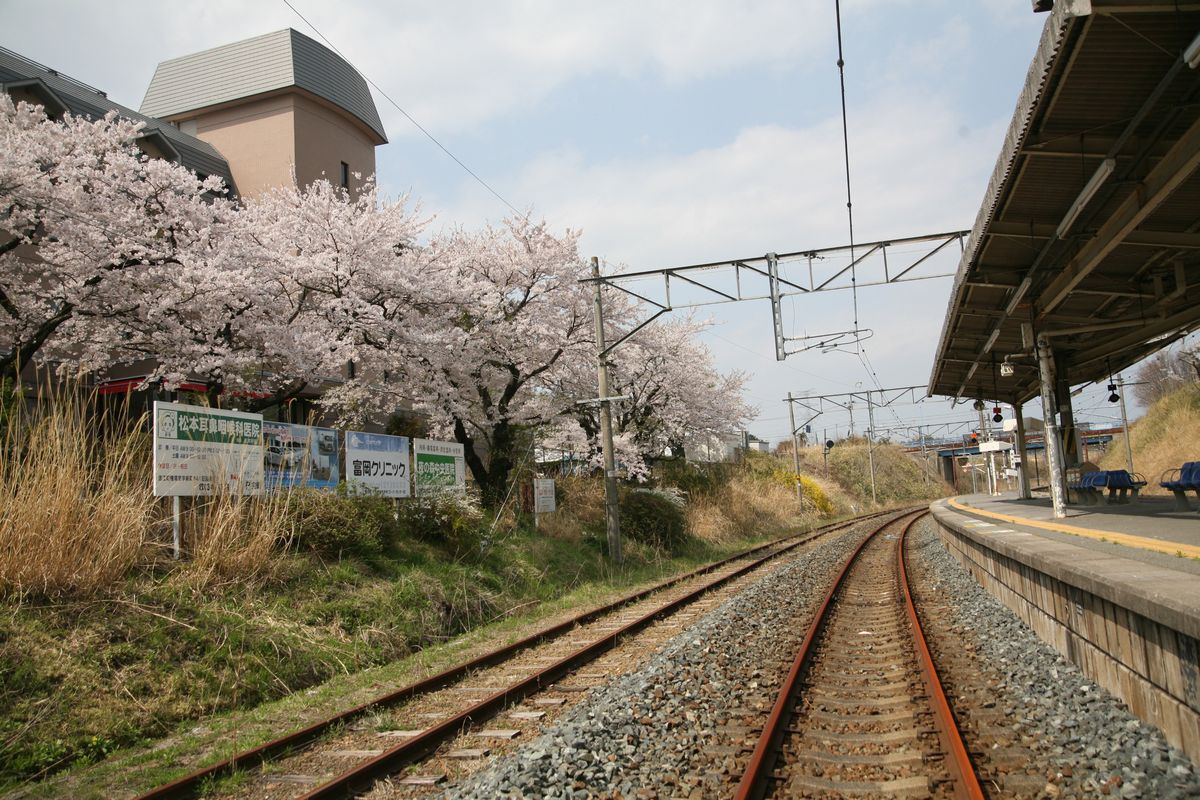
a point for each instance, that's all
(1182, 480)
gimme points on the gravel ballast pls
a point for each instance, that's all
(671, 728)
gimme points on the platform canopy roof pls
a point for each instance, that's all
(1089, 232)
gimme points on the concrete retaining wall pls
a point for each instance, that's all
(1126, 628)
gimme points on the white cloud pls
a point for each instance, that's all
(914, 169)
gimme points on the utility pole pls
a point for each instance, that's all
(795, 450)
(850, 408)
(871, 444)
(1124, 423)
(924, 454)
(611, 509)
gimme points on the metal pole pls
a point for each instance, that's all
(871, 444)
(795, 450)
(1054, 454)
(1125, 423)
(1022, 478)
(924, 453)
(611, 509)
(176, 525)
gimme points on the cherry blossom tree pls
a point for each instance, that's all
(489, 372)
(84, 215)
(675, 397)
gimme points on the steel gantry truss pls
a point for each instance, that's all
(814, 404)
(773, 276)
(767, 277)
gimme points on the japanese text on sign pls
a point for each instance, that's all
(199, 451)
(377, 463)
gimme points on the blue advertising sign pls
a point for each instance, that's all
(377, 463)
(299, 455)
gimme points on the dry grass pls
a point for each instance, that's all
(1166, 437)
(231, 538)
(581, 506)
(754, 504)
(75, 502)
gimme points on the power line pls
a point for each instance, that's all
(410, 117)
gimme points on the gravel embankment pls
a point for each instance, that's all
(1090, 743)
(670, 729)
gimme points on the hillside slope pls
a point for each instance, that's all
(1163, 439)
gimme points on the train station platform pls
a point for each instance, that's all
(1115, 589)
(1149, 529)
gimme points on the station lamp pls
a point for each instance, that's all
(996, 415)
(1113, 397)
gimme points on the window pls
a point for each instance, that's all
(345, 175)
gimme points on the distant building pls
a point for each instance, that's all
(275, 110)
(279, 108)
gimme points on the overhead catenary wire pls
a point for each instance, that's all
(841, 65)
(407, 115)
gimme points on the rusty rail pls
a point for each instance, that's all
(755, 781)
(190, 785)
(958, 762)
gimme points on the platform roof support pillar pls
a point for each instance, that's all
(1054, 455)
(1022, 478)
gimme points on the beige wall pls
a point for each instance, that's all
(324, 139)
(255, 137)
(264, 139)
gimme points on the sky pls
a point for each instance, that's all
(670, 133)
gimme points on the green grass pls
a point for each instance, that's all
(207, 673)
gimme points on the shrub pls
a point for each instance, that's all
(691, 477)
(447, 519)
(332, 523)
(653, 518)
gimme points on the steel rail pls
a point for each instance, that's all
(754, 780)
(962, 771)
(359, 778)
(191, 785)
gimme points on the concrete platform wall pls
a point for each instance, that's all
(1147, 657)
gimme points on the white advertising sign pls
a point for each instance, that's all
(377, 463)
(198, 450)
(438, 467)
(543, 496)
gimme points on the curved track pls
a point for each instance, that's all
(629, 615)
(862, 712)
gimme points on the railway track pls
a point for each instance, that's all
(445, 708)
(862, 712)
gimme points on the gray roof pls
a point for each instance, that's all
(266, 63)
(1111, 273)
(84, 101)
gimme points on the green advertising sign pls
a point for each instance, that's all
(438, 466)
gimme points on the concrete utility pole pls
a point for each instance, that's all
(795, 450)
(871, 444)
(1125, 423)
(611, 508)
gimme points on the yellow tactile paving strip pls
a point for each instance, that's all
(1127, 539)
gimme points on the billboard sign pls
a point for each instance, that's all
(438, 467)
(199, 451)
(299, 455)
(377, 463)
